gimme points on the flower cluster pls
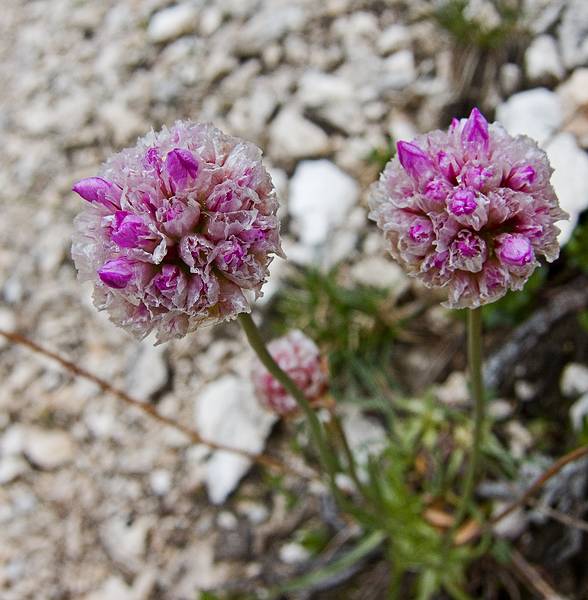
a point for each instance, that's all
(299, 357)
(177, 229)
(470, 209)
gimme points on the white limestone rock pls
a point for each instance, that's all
(394, 38)
(574, 97)
(48, 449)
(573, 33)
(149, 371)
(366, 436)
(292, 136)
(320, 199)
(381, 272)
(579, 413)
(569, 179)
(173, 22)
(574, 380)
(536, 113)
(227, 412)
(542, 61)
(319, 89)
(267, 26)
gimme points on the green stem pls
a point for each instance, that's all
(396, 576)
(350, 459)
(477, 387)
(328, 460)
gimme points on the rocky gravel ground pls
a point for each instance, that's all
(96, 501)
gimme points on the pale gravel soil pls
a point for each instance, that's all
(77, 80)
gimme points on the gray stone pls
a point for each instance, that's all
(398, 71)
(536, 113)
(512, 526)
(160, 481)
(172, 22)
(574, 97)
(126, 543)
(317, 89)
(509, 76)
(269, 25)
(366, 436)
(149, 372)
(227, 412)
(579, 413)
(573, 34)
(11, 467)
(570, 164)
(293, 553)
(48, 449)
(294, 137)
(395, 37)
(574, 380)
(123, 123)
(321, 197)
(382, 272)
(454, 391)
(542, 61)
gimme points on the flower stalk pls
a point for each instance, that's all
(326, 456)
(477, 390)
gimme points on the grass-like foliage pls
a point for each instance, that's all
(350, 322)
(466, 31)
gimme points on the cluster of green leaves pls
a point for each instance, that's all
(348, 322)
(421, 466)
(380, 156)
(452, 16)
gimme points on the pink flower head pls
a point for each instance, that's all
(299, 357)
(176, 230)
(469, 209)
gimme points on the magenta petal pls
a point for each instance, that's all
(128, 230)
(521, 177)
(153, 160)
(98, 190)
(515, 250)
(181, 165)
(475, 132)
(463, 202)
(116, 273)
(414, 160)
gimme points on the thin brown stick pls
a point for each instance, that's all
(524, 498)
(532, 578)
(555, 468)
(149, 409)
(559, 516)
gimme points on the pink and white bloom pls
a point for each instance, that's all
(300, 358)
(178, 231)
(469, 209)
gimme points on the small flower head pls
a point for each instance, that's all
(177, 231)
(470, 209)
(299, 357)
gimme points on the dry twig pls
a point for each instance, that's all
(532, 578)
(150, 410)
